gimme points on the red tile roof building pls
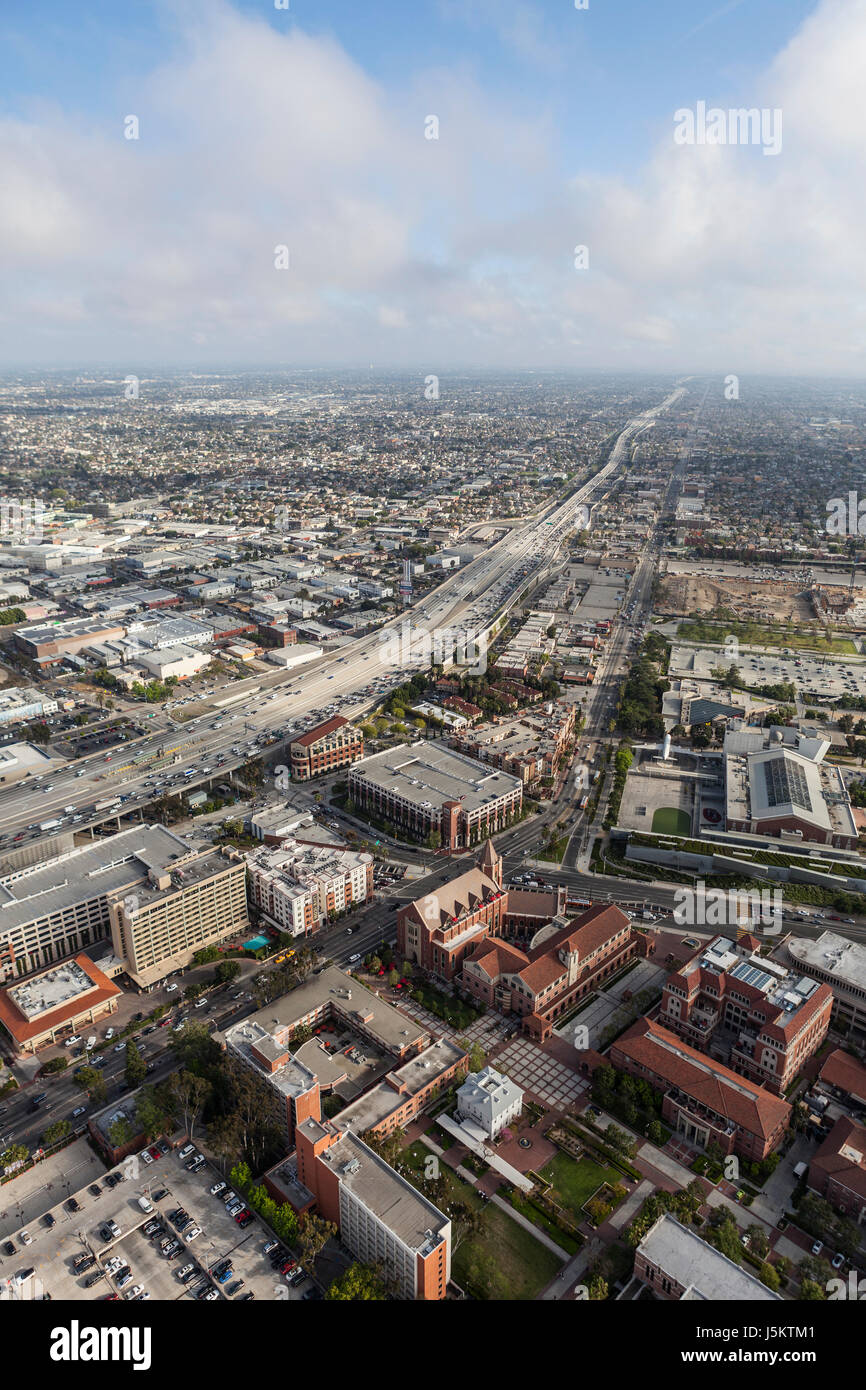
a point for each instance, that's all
(704, 1101)
(511, 948)
(49, 1007)
(838, 1170)
(336, 743)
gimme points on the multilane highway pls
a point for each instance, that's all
(241, 720)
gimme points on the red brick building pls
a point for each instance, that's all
(336, 743)
(838, 1170)
(704, 1101)
(754, 1014)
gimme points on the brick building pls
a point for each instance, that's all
(336, 743)
(750, 1012)
(838, 1170)
(703, 1101)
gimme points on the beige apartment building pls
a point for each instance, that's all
(158, 927)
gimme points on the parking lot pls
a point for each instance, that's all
(75, 1234)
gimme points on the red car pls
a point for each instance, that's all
(287, 1267)
(244, 1211)
(154, 1153)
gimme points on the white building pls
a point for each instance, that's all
(297, 886)
(19, 703)
(489, 1100)
(179, 661)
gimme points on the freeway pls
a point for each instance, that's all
(461, 612)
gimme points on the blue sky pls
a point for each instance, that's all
(304, 126)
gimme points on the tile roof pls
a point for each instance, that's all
(705, 1080)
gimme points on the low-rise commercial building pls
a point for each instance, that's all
(52, 1006)
(841, 964)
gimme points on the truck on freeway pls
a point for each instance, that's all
(108, 804)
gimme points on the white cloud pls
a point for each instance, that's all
(458, 249)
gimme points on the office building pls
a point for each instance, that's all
(328, 746)
(433, 793)
(675, 1263)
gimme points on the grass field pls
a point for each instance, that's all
(574, 1182)
(504, 1262)
(758, 635)
(668, 820)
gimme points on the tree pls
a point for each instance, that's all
(135, 1067)
(598, 1289)
(394, 978)
(769, 1276)
(359, 1283)
(313, 1236)
(190, 1092)
(121, 1132)
(758, 1242)
(91, 1080)
(154, 1108)
(55, 1132)
(195, 1049)
(466, 1223)
(226, 971)
(15, 1153)
(477, 1057)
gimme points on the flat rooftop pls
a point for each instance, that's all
(414, 1220)
(428, 774)
(832, 958)
(51, 990)
(105, 867)
(700, 1269)
(357, 1006)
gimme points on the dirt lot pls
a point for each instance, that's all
(746, 598)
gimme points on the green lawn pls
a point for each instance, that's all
(668, 820)
(573, 1183)
(504, 1262)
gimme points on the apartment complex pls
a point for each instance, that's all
(675, 1263)
(52, 909)
(749, 1011)
(530, 745)
(702, 1100)
(381, 1040)
(298, 886)
(336, 743)
(433, 793)
(381, 1218)
(841, 964)
(180, 909)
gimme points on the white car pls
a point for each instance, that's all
(191, 1234)
(146, 1157)
(109, 1034)
(135, 1291)
(26, 1238)
(354, 959)
(121, 1047)
(169, 989)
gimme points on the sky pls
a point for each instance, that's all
(433, 184)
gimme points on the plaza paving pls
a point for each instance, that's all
(538, 1072)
